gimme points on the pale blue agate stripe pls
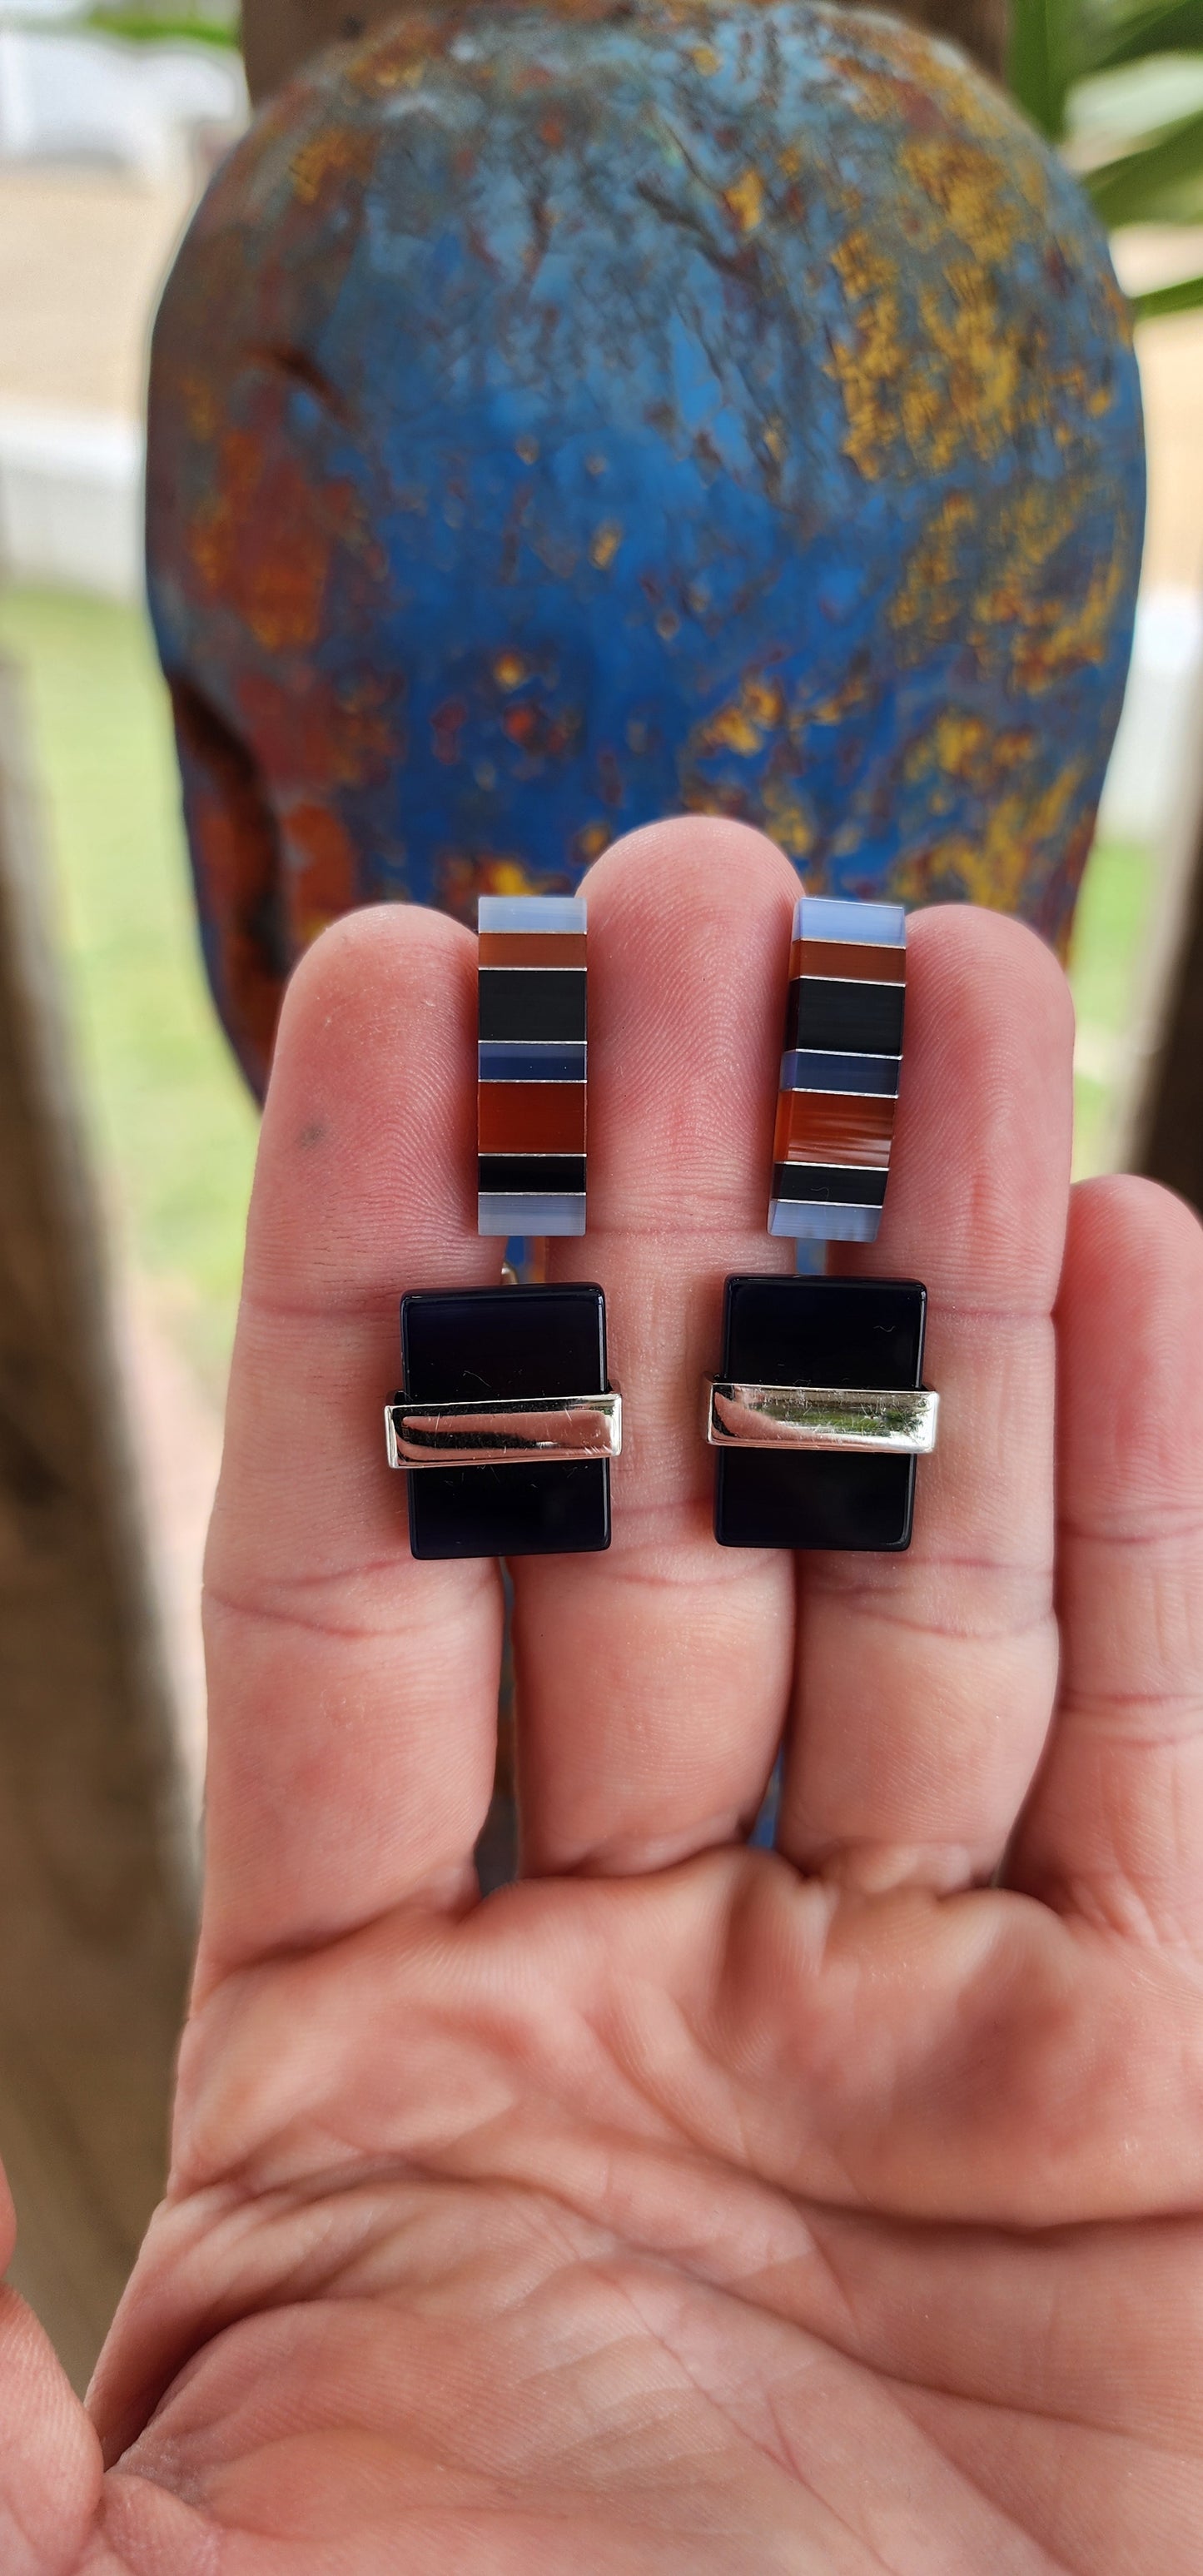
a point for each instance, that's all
(563, 912)
(813, 1221)
(513, 1060)
(808, 1069)
(875, 925)
(529, 1215)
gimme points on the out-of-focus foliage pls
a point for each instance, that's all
(1119, 83)
(209, 22)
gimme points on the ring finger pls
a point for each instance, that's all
(926, 1681)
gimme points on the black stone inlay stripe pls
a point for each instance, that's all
(506, 1342)
(829, 1185)
(516, 1002)
(849, 1019)
(548, 1175)
(819, 1332)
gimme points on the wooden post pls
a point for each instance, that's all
(1167, 1126)
(1157, 1121)
(95, 1873)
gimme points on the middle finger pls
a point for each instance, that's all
(652, 1682)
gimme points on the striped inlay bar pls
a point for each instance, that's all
(839, 1071)
(531, 1064)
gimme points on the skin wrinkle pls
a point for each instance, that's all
(955, 2404)
(881, 1866)
(538, 2215)
(640, 1574)
(1053, 2303)
(346, 1632)
(778, 2459)
(416, 1626)
(1063, 2417)
(832, 1582)
(710, 2046)
(288, 1954)
(363, 1571)
(873, 1608)
(1127, 1915)
(891, 2568)
(210, 2545)
(1096, 1703)
(1001, 1319)
(1054, 2564)
(1171, 1527)
(786, 2453)
(829, 1900)
(627, 1857)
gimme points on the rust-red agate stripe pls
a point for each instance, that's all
(532, 1065)
(531, 948)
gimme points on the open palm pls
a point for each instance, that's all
(683, 2208)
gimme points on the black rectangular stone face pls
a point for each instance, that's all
(820, 1184)
(853, 1019)
(819, 1332)
(506, 1342)
(533, 1003)
(553, 1175)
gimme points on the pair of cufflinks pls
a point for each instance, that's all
(507, 1424)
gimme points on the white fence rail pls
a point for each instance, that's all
(68, 94)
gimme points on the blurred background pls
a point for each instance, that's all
(111, 119)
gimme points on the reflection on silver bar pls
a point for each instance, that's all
(513, 1433)
(901, 1422)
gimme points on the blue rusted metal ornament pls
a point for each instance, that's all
(567, 416)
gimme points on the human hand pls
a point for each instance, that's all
(682, 2207)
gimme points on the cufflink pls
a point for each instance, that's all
(507, 1423)
(819, 1414)
(840, 1070)
(532, 1065)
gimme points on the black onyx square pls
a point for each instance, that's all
(819, 1332)
(506, 1342)
(535, 1002)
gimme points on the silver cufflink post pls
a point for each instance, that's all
(522, 1432)
(897, 1422)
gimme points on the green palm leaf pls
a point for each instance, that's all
(1185, 297)
(1119, 36)
(1141, 186)
(1142, 167)
(1041, 61)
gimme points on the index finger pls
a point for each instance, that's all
(353, 1692)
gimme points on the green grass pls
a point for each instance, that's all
(174, 1125)
(1109, 934)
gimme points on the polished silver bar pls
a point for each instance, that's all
(519, 1432)
(895, 1422)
